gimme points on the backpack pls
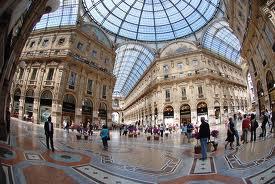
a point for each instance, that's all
(256, 125)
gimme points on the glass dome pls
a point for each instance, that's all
(132, 60)
(151, 20)
(220, 39)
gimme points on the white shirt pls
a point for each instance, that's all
(50, 126)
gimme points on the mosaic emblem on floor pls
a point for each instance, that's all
(6, 153)
(265, 177)
(169, 166)
(203, 166)
(105, 177)
(66, 157)
(33, 156)
(234, 161)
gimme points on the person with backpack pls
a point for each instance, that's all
(105, 136)
(190, 128)
(245, 128)
(48, 128)
(263, 126)
(254, 125)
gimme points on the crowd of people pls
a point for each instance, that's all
(249, 123)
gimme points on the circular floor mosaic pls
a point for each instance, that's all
(5, 153)
(66, 157)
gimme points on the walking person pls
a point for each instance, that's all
(263, 126)
(189, 131)
(245, 128)
(230, 134)
(236, 133)
(161, 129)
(8, 119)
(254, 125)
(272, 121)
(204, 135)
(105, 136)
(48, 127)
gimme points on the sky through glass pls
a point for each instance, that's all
(151, 20)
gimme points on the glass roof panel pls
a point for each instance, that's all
(151, 20)
(132, 60)
(65, 15)
(220, 39)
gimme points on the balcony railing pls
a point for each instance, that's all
(167, 100)
(201, 96)
(184, 98)
(49, 83)
(32, 82)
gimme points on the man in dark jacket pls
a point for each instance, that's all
(48, 127)
(204, 135)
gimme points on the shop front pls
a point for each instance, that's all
(202, 111)
(185, 114)
(28, 108)
(16, 102)
(168, 116)
(68, 109)
(45, 105)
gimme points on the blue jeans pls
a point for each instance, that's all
(203, 147)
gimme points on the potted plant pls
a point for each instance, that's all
(197, 148)
(215, 134)
(78, 136)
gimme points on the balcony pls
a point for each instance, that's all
(89, 92)
(167, 100)
(32, 83)
(201, 96)
(49, 83)
(184, 98)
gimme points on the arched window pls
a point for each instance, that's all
(269, 80)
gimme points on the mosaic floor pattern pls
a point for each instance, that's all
(24, 158)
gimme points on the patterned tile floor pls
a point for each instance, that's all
(25, 159)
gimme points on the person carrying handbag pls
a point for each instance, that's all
(245, 128)
(254, 125)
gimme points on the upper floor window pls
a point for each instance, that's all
(180, 66)
(200, 91)
(50, 74)
(34, 71)
(72, 80)
(21, 72)
(104, 91)
(183, 92)
(90, 87)
(61, 41)
(32, 44)
(167, 94)
(80, 45)
(94, 53)
(45, 42)
(165, 68)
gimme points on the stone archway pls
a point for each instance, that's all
(68, 108)
(28, 107)
(185, 114)
(270, 83)
(16, 103)
(45, 108)
(168, 115)
(202, 111)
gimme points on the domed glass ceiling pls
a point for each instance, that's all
(151, 20)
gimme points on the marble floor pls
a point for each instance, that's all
(25, 159)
